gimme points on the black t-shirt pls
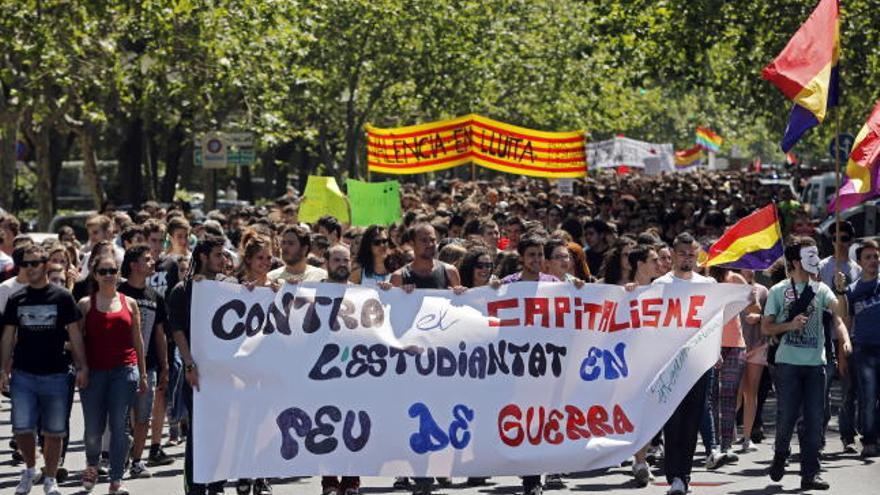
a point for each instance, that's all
(82, 288)
(179, 301)
(41, 316)
(166, 277)
(152, 308)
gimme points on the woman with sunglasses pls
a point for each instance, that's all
(371, 257)
(115, 357)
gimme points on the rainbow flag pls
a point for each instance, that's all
(753, 243)
(708, 139)
(806, 71)
(689, 158)
(862, 174)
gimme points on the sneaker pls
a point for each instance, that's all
(677, 487)
(50, 486)
(61, 474)
(118, 488)
(215, 489)
(89, 478)
(748, 446)
(160, 458)
(243, 486)
(714, 460)
(554, 482)
(262, 487)
(445, 482)
(103, 466)
(535, 490)
(27, 482)
(330, 490)
(757, 435)
(642, 474)
(777, 468)
(814, 482)
(401, 482)
(139, 470)
(729, 457)
(654, 454)
(869, 450)
(850, 448)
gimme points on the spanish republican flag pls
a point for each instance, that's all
(806, 71)
(862, 174)
(753, 243)
(691, 157)
(709, 139)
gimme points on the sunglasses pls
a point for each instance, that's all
(845, 238)
(380, 242)
(484, 266)
(33, 263)
(107, 271)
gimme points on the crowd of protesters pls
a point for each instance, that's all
(110, 316)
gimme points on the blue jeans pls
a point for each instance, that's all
(707, 423)
(40, 398)
(867, 369)
(110, 394)
(796, 387)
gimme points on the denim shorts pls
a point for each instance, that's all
(40, 398)
(143, 406)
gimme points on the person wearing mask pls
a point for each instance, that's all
(207, 263)
(137, 267)
(38, 321)
(794, 315)
(423, 272)
(371, 255)
(863, 296)
(339, 272)
(117, 369)
(295, 246)
(680, 431)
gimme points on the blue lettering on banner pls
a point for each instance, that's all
(614, 364)
(431, 438)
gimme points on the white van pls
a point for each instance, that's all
(819, 191)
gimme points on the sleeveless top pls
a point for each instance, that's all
(369, 279)
(108, 337)
(437, 279)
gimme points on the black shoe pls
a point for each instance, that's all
(477, 481)
(445, 482)
(777, 468)
(757, 435)
(814, 482)
(215, 489)
(61, 474)
(160, 458)
(262, 487)
(243, 487)
(554, 482)
(401, 482)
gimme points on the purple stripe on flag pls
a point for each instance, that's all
(758, 260)
(800, 121)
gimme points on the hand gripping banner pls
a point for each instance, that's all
(329, 379)
(482, 141)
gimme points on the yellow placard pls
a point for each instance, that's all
(323, 197)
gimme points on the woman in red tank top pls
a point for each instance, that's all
(115, 357)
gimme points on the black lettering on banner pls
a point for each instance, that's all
(301, 423)
(328, 354)
(353, 443)
(358, 364)
(518, 361)
(255, 319)
(324, 429)
(372, 314)
(376, 359)
(321, 439)
(217, 322)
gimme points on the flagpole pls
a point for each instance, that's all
(837, 111)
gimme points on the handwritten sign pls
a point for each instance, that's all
(333, 379)
(480, 140)
(373, 202)
(323, 197)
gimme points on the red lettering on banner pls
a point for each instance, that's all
(539, 306)
(543, 425)
(673, 310)
(494, 306)
(593, 310)
(651, 317)
(614, 326)
(563, 307)
(696, 303)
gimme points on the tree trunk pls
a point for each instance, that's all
(131, 177)
(45, 198)
(59, 149)
(305, 166)
(245, 185)
(7, 161)
(173, 152)
(90, 166)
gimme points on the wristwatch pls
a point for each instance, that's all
(189, 367)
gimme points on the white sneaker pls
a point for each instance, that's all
(748, 446)
(642, 474)
(27, 481)
(677, 487)
(50, 486)
(714, 460)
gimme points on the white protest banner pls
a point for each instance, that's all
(622, 151)
(332, 379)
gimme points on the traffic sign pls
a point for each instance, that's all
(840, 147)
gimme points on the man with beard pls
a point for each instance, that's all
(338, 271)
(680, 432)
(295, 246)
(424, 272)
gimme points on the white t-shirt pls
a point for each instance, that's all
(310, 274)
(5, 261)
(8, 288)
(696, 278)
